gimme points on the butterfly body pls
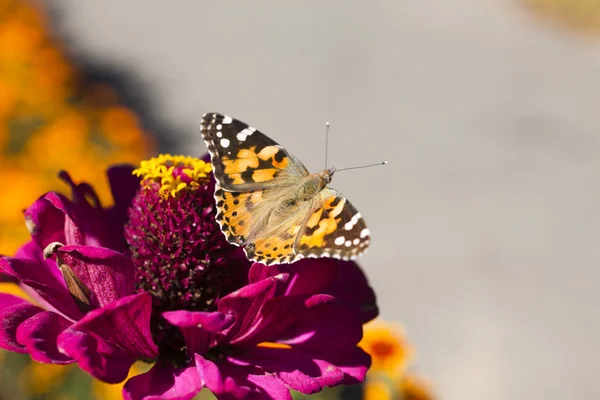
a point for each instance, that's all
(312, 184)
(270, 204)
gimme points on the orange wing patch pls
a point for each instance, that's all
(245, 159)
(321, 223)
(250, 166)
(263, 175)
(274, 250)
(234, 213)
(236, 178)
(272, 153)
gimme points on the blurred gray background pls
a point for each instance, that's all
(485, 222)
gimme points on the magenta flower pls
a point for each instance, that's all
(290, 327)
(107, 274)
(159, 283)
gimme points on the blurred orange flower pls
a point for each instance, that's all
(50, 119)
(391, 355)
(387, 345)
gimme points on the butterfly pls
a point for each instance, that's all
(270, 204)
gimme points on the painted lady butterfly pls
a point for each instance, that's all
(270, 204)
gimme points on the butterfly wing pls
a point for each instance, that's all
(261, 223)
(235, 213)
(334, 228)
(244, 159)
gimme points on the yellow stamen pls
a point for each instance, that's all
(160, 170)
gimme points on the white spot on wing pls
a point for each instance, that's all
(350, 224)
(225, 143)
(348, 243)
(227, 120)
(364, 233)
(219, 134)
(356, 241)
(339, 240)
(245, 133)
(219, 127)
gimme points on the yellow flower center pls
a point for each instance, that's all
(173, 173)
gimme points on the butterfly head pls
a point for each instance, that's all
(327, 175)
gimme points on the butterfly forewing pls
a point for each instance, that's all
(244, 159)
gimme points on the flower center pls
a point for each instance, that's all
(182, 258)
(173, 173)
(383, 349)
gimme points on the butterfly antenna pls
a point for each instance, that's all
(326, 142)
(362, 166)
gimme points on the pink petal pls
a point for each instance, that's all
(123, 186)
(73, 234)
(7, 300)
(300, 370)
(307, 276)
(329, 328)
(41, 279)
(259, 272)
(228, 381)
(199, 329)
(354, 363)
(276, 315)
(108, 273)
(96, 356)
(247, 302)
(13, 312)
(31, 251)
(108, 340)
(342, 279)
(39, 334)
(353, 289)
(271, 386)
(45, 221)
(163, 381)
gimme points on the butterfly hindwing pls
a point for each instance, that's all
(335, 229)
(273, 250)
(234, 213)
(244, 159)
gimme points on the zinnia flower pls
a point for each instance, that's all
(159, 283)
